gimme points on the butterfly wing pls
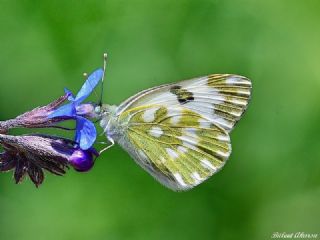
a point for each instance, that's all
(221, 98)
(177, 146)
(179, 132)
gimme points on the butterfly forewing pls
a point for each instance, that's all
(221, 98)
(179, 132)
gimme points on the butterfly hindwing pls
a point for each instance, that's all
(175, 145)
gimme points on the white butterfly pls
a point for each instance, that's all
(179, 133)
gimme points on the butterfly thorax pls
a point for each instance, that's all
(109, 122)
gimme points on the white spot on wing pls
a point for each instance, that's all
(222, 122)
(178, 177)
(175, 114)
(239, 101)
(172, 153)
(218, 99)
(175, 120)
(207, 164)
(223, 154)
(142, 154)
(196, 177)
(232, 80)
(192, 132)
(243, 91)
(149, 114)
(189, 143)
(182, 149)
(238, 80)
(204, 123)
(223, 138)
(195, 82)
(156, 131)
(162, 159)
(236, 113)
(190, 138)
(199, 106)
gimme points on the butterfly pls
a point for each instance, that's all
(179, 132)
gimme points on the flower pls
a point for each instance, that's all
(36, 118)
(85, 129)
(30, 154)
(55, 112)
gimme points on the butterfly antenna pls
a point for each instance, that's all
(105, 56)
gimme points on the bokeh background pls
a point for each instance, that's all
(272, 180)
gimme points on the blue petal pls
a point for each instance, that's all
(86, 133)
(70, 95)
(89, 85)
(67, 110)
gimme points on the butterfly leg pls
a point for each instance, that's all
(107, 147)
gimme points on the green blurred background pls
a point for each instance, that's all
(272, 181)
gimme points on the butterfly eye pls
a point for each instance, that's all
(97, 109)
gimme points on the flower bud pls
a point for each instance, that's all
(81, 161)
(30, 154)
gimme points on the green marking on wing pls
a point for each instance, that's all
(185, 151)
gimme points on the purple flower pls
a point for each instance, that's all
(36, 118)
(53, 113)
(85, 129)
(30, 154)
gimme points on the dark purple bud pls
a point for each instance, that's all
(32, 153)
(81, 160)
(36, 174)
(21, 170)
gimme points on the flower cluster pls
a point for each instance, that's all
(31, 154)
(85, 130)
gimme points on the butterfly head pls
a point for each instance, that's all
(105, 112)
(97, 109)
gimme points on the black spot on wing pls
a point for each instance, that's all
(182, 94)
(175, 89)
